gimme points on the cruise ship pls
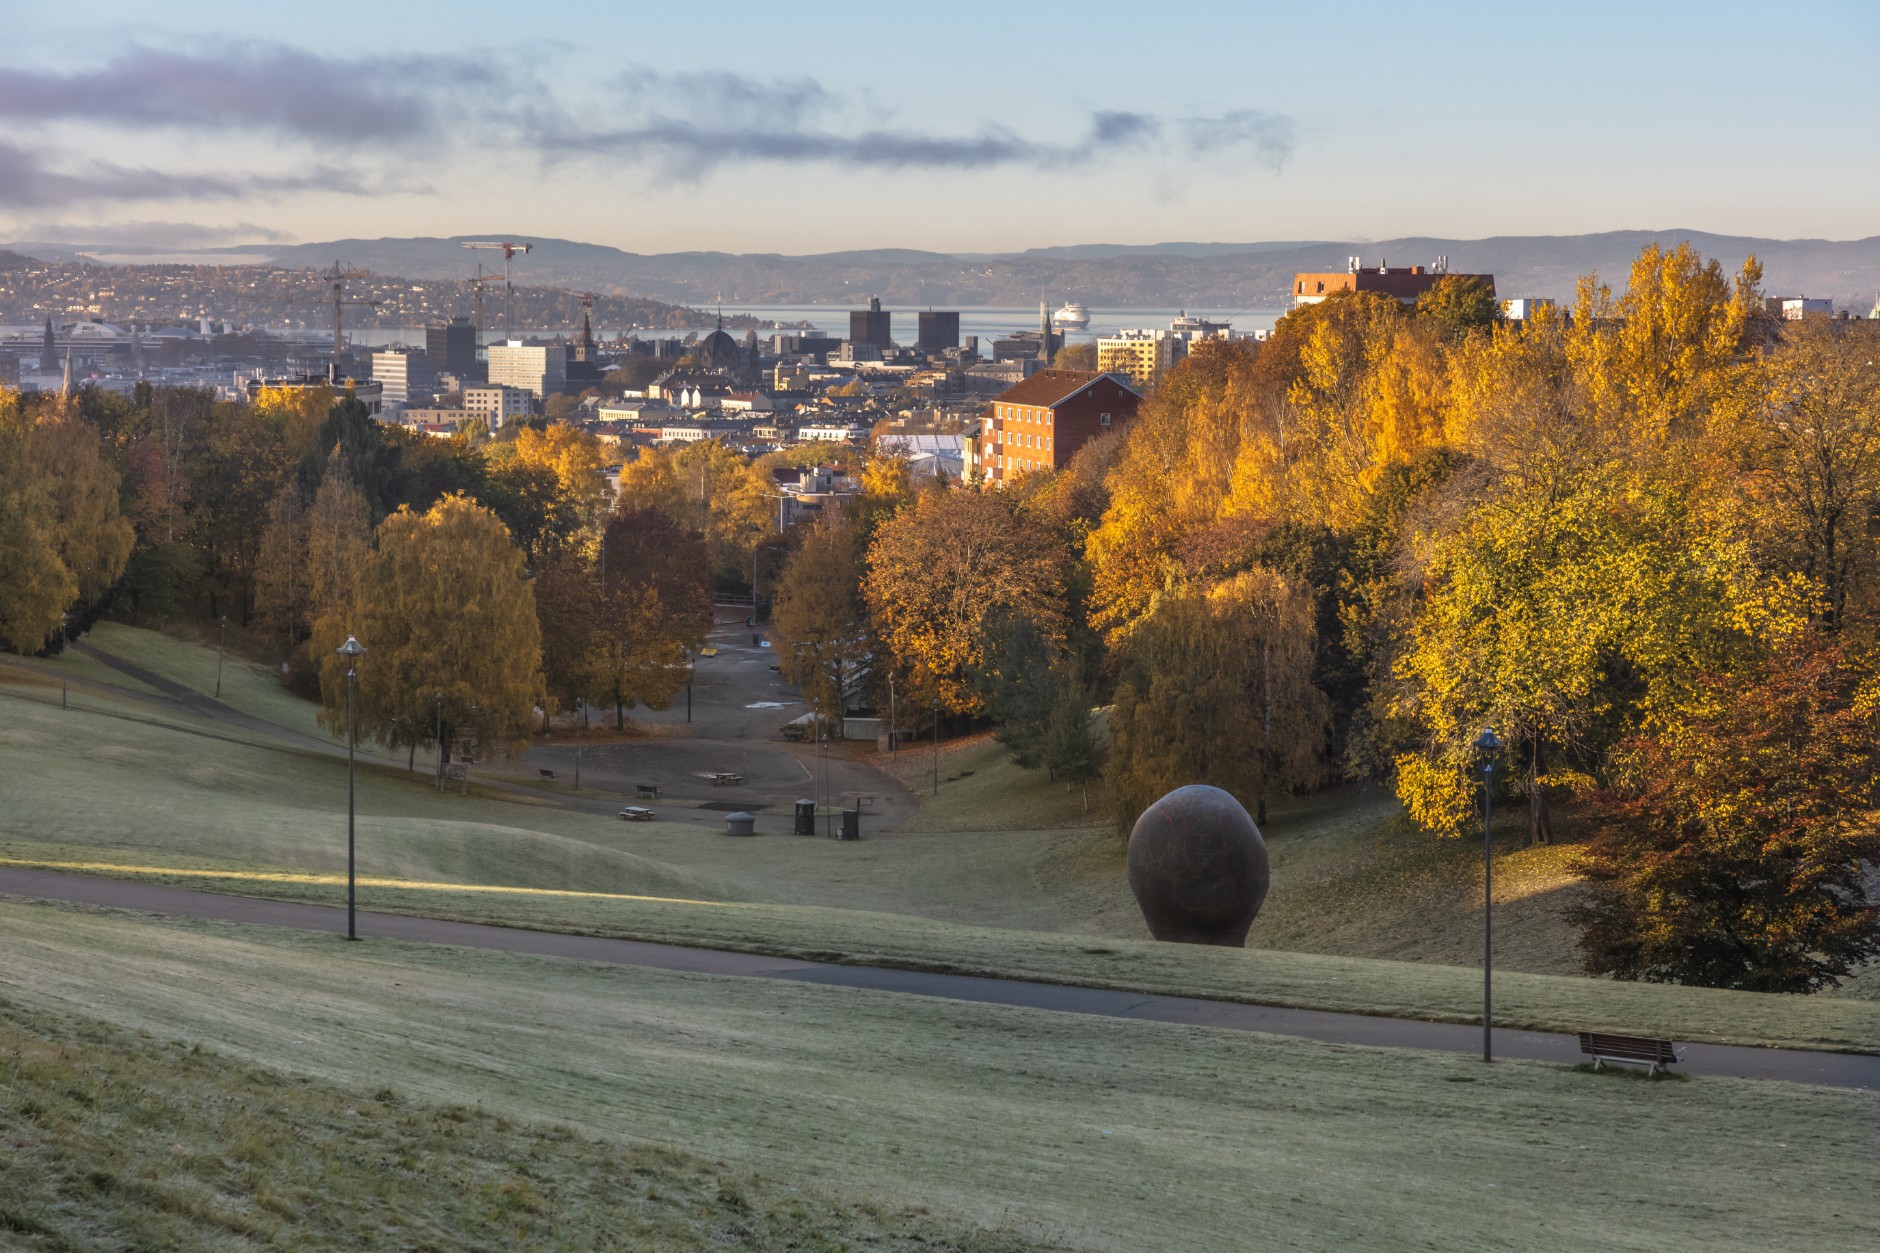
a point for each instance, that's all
(1071, 317)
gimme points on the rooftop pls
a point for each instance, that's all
(1054, 387)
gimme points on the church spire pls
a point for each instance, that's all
(65, 388)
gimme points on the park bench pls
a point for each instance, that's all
(1633, 1050)
(637, 813)
(646, 791)
(545, 772)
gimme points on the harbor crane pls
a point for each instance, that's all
(509, 249)
(482, 276)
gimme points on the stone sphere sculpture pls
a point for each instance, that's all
(1198, 867)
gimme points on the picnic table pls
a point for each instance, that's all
(637, 813)
(727, 778)
(793, 733)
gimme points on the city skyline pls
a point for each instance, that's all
(749, 133)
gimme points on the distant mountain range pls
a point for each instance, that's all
(1196, 275)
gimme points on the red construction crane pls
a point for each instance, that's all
(508, 249)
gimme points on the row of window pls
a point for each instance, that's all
(1012, 413)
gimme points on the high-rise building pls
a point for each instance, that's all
(452, 346)
(1142, 355)
(871, 325)
(406, 376)
(1405, 282)
(541, 370)
(938, 331)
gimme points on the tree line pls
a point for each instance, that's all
(1635, 535)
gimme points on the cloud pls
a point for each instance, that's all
(153, 234)
(727, 119)
(29, 181)
(250, 87)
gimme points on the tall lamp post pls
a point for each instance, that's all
(936, 746)
(352, 651)
(65, 642)
(440, 743)
(1488, 744)
(218, 657)
(892, 738)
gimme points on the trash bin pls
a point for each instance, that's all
(740, 824)
(806, 818)
(851, 824)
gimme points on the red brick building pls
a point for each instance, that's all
(1405, 282)
(1042, 422)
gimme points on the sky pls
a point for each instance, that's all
(954, 127)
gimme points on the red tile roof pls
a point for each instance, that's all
(1054, 387)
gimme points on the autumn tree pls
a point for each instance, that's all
(281, 570)
(1075, 357)
(1459, 303)
(709, 488)
(618, 622)
(443, 607)
(943, 571)
(94, 538)
(338, 530)
(1070, 748)
(35, 585)
(1216, 687)
(1733, 849)
(820, 621)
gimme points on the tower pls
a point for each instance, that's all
(47, 349)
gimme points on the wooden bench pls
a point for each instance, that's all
(646, 791)
(545, 772)
(1632, 1050)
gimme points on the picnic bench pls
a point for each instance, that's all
(794, 733)
(545, 772)
(637, 813)
(1632, 1050)
(727, 778)
(646, 791)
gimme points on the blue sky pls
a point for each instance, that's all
(771, 127)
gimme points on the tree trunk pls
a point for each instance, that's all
(411, 757)
(1540, 828)
(620, 713)
(1259, 817)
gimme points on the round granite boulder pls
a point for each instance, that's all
(1198, 867)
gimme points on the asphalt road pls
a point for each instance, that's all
(1844, 1070)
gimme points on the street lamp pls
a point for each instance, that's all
(440, 743)
(352, 651)
(222, 649)
(1488, 744)
(936, 746)
(891, 719)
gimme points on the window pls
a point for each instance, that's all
(1106, 419)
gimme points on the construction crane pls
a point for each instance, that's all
(508, 249)
(476, 283)
(337, 276)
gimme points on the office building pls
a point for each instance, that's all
(497, 405)
(1142, 355)
(872, 325)
(452, 347)
(539, 369)
(938, 331)
(405, 376)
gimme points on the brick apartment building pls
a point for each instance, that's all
(1040, 423)
(1405, 282)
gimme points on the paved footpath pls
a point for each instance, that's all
(1845, 1070)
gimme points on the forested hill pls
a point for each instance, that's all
(1201, 275)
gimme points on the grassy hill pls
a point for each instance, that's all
(1054, 1129)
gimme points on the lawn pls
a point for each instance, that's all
(1060, 1129)
(248, 686)
(120, 1140)
(108, 795)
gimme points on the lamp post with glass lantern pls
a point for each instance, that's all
(936, 746)
(439, 784)
(221, 649)
(352, 651)
(1488, 744)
